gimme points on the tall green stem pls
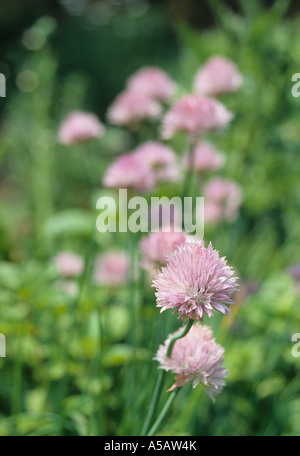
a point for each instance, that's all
(161, 377)
(163, 413)
(73, 320)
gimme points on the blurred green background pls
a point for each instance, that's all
(62, 374)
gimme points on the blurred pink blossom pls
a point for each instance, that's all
(79, 127)
(161, 160)
(130, 108)
(218, 75)
(195, 358)
(195, 115)
(225, 194)
(111, 268)
(129, 172)
(69, 264)
(152, 82)
(213, 212)
(205, 158)
(195, 282)
(157, 247)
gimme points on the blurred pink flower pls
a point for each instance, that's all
(161, 160)
(197, 358)
(111, 268)
(152, 82)
(225, 194)
(205, 158)
(218, 75)
(127, 171)
(69, 264)
(130, 108)
(195, 115)
(79, 127)
(157, 247)
(195, 281)
(213, 212)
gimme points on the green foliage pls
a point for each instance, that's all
(81, 363)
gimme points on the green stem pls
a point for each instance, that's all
(160, 380)
(132, 306)
(163, 413)
(73, 312)
(17, 383)
(177, 336)
(188, 174)
(154, 401)
(85, 162)
(95, 370)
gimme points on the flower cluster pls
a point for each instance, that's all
(190, 279)
(158, 247)
(111, 269)
(130, 108)
(195, 282)
(142, 97)
(127, 171)
(69, 264)
(205, 157)
(222, 200)
(160, 159)
(143, 168)
(195, 358)
(195, 115)
(153, 83)
(80, 127)
(219, 75)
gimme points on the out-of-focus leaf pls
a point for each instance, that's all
(73, 222)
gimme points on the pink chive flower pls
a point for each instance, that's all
(195, 358)
(152, 82)
(127, 171)
(160, 158)
(195, 282)
(69, 264)
(205, 158)
(157, 247)
(218, 75)
(225, 194)
(195, 115)
(111, 268)
(79, 127)
(130, 108)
